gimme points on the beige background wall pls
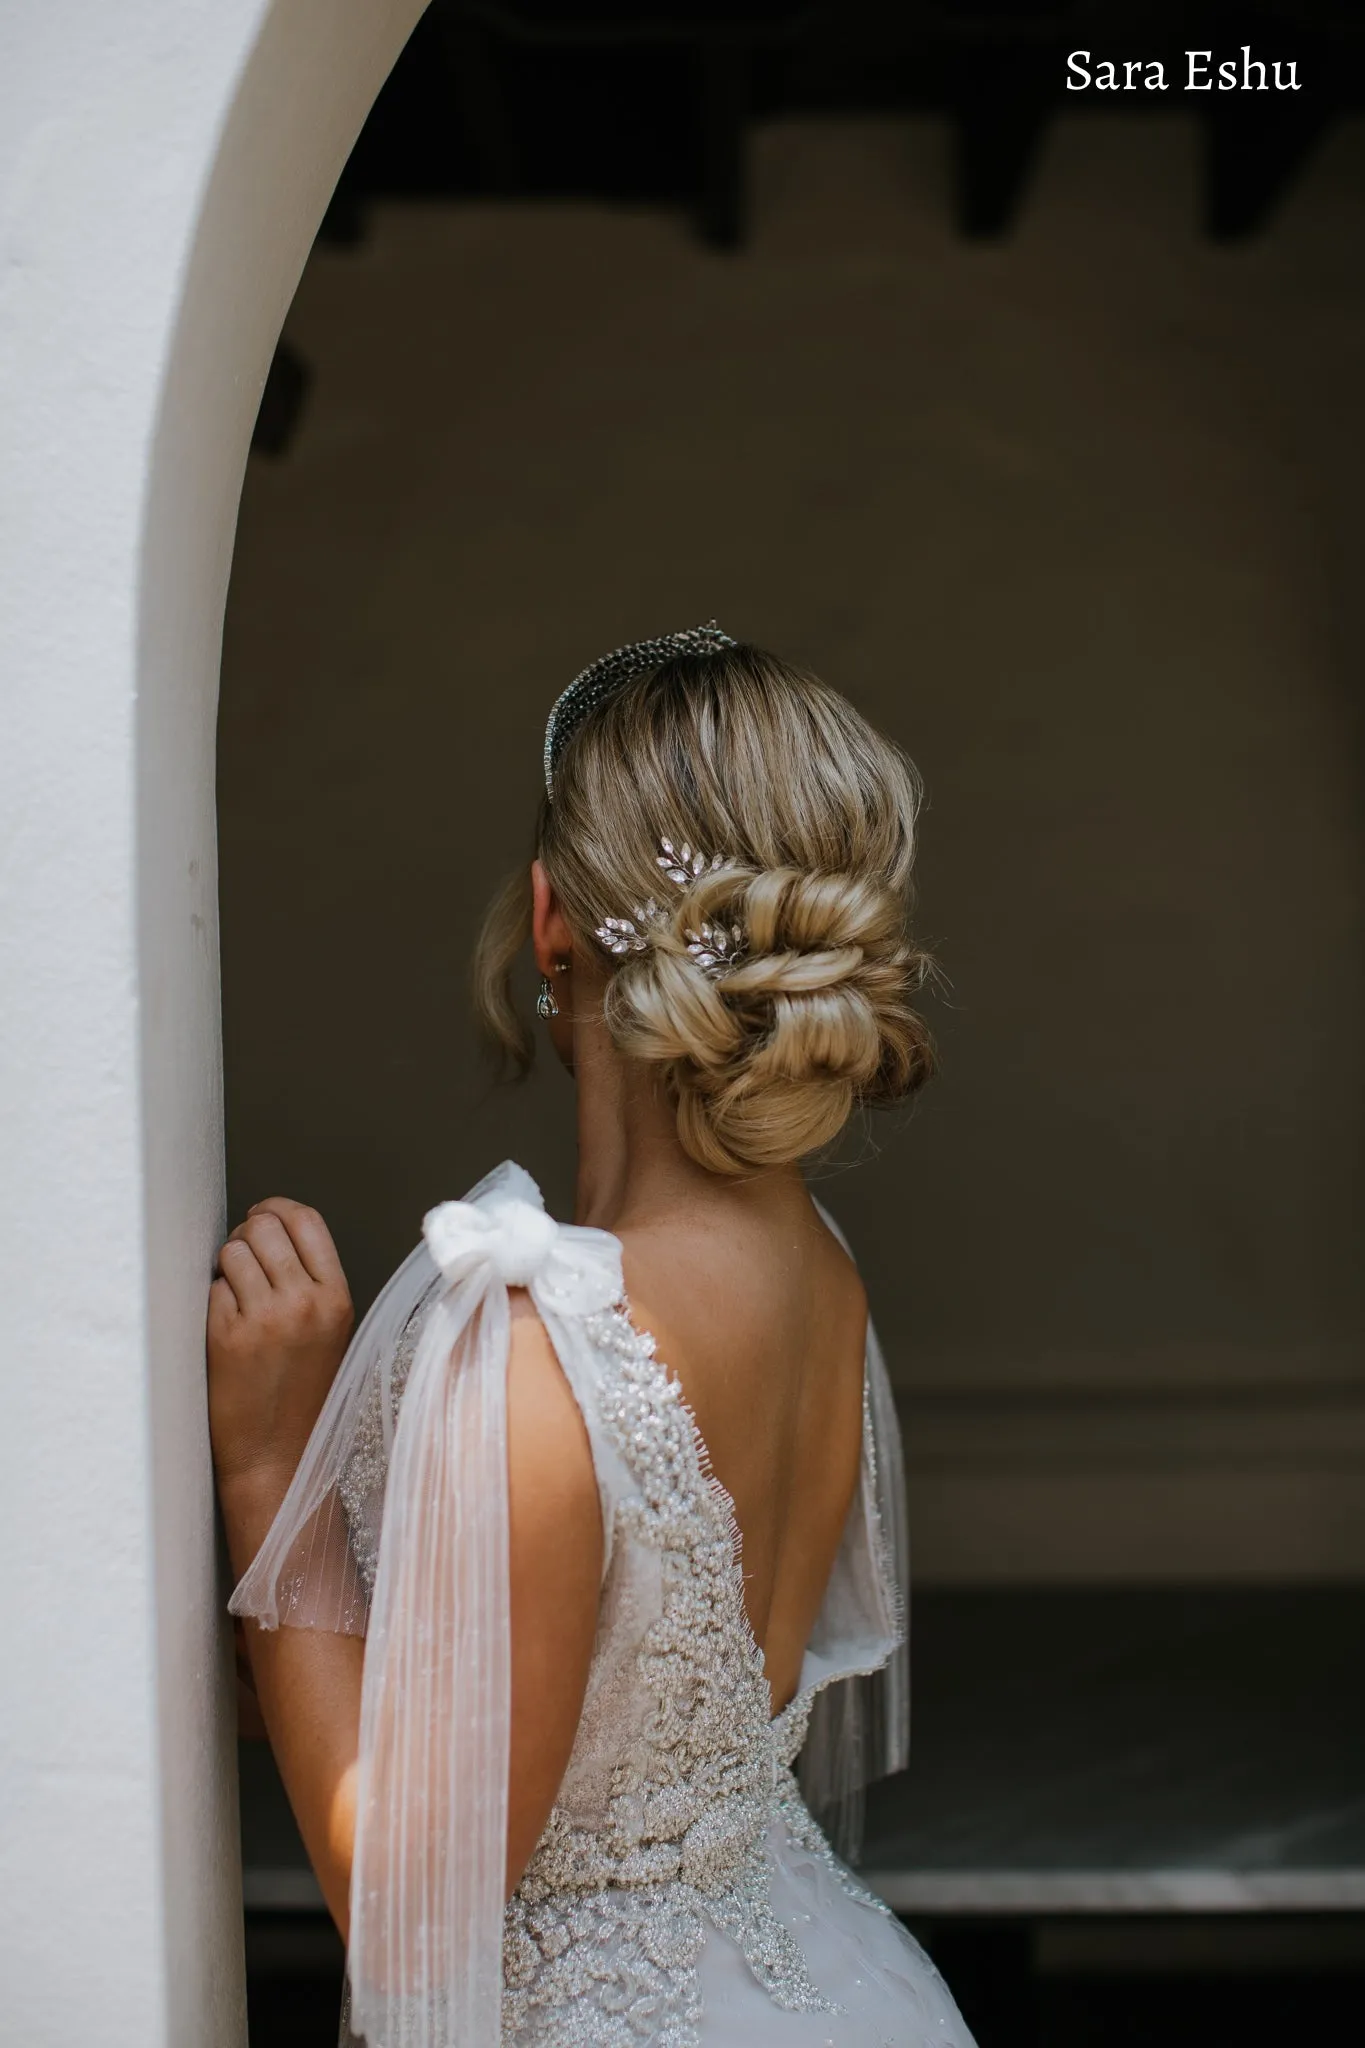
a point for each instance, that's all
(1077, 520)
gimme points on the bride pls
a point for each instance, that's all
(594, 1536)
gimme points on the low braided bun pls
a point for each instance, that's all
(775, 991)
(768, 1059)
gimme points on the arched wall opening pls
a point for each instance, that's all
(1052, 550)
(165, 171)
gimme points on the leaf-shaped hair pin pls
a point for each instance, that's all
(684, 867)
(715, 948)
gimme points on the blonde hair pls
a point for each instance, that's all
(738, 755)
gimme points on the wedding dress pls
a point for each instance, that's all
(681, 1894)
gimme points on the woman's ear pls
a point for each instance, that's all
(550, 934)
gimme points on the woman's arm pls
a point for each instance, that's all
(308, 1684)
(279, 1320)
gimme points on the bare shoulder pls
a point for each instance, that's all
(712, 1290)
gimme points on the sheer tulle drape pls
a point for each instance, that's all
(425, 1953)
(431, 1827)
(428, 1877)
(860, 1724)
(305, 1572)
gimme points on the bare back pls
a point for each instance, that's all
(764, 1324)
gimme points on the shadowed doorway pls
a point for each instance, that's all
(1067, 513)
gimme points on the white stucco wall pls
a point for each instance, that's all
(163, 166)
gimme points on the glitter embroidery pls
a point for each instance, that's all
(692, 1794)
(604, 1934)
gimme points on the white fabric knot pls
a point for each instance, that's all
(514, 1236)
(501, 1230)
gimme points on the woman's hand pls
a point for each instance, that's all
(279, 1322)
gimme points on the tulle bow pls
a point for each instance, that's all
(504, 1226)
(514, 1237)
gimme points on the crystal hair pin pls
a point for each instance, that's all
(714, 946)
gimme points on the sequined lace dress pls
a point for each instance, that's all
(681, 1895)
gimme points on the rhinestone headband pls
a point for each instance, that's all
(607, 675)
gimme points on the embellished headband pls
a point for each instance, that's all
(607, 675)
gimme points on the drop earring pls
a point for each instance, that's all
(546, 1006)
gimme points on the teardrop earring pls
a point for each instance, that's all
(546, 1006)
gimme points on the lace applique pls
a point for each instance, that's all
(803, 1829)
(603, 1969)
(611, 1918)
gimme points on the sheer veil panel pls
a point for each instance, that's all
(425, 1953)
(307, 1572)
(858, 1661)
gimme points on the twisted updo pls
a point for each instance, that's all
(768, 1051)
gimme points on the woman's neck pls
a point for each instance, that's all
(632, 1168)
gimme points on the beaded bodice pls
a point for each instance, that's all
(678, 1773)
(661, 1821)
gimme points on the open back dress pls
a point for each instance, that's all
(681, 1894)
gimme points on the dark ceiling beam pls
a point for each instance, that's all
(1252, 160)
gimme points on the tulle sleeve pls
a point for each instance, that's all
(427, 1881)
(858, 1661)
(316, 1568)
